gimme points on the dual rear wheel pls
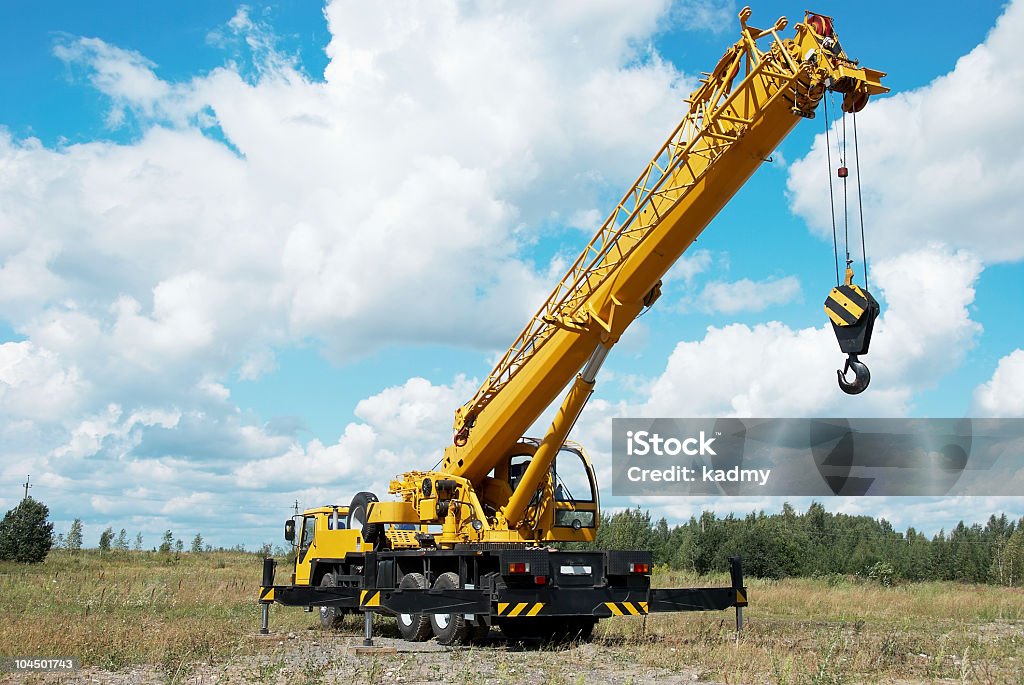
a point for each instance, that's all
(414, 627)
(449, 629)
(456, 629)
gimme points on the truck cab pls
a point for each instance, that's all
(322, 537)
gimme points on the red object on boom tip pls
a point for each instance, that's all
(821, 25)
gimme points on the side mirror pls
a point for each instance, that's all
(289, 530)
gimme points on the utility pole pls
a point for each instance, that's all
(27, 484)
(296, 507)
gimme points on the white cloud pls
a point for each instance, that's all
(36, 384)
(587, 220)
(746, 295)
(417, 411)
(402, 427)
(106, 431)
(127, 78)
(688, 267)
(771, 369)
(256, 364)
(943, 162)
(716, 16)
(408, 165)
(1003, 394)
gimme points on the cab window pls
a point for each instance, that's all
(572, 482)
(306, 540)
(575, 500)
(516, 468)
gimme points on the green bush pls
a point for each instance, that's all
(25, 534)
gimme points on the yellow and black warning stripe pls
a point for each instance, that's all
(627, 608)
(846, 304)
(512, 609)
(741, 598)
(369, 598)
(267, 594)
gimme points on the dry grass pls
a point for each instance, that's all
(840, 630)
(136, 607)
(198, 612)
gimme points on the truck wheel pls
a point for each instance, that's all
(414, 627)
(331, 618)
(450, 629)
(357, 511)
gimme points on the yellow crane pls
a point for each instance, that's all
(470, 539)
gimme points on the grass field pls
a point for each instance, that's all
(175, 620)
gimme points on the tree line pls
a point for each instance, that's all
(109, 542)
(786, 544)
(821, 543)
(26, 535)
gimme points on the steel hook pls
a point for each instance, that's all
(862, 377)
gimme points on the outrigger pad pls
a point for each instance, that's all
(852, 312)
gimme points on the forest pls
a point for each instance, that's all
(819, 543)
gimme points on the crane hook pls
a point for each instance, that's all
(862, 377)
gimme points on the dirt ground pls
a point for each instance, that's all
(315, 657)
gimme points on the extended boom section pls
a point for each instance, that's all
(759, 90)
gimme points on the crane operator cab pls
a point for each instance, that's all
(566, 502)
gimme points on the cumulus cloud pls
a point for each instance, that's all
(771, 369)
(36, 384)
(333, 200)
(402, 427)
(1003, 394)
(746, 295)
(688, 267)
(125, 76)
(943, 162)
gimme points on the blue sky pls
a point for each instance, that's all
(257, 253)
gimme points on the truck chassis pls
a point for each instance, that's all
(529, 593)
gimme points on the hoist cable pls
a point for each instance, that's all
(860, 202)
(831, 194)
(846, 204)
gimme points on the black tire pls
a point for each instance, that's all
(331, 618)
(357, 517)
(449, 629)
(414, 627)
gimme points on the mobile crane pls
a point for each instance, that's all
(467, 547)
